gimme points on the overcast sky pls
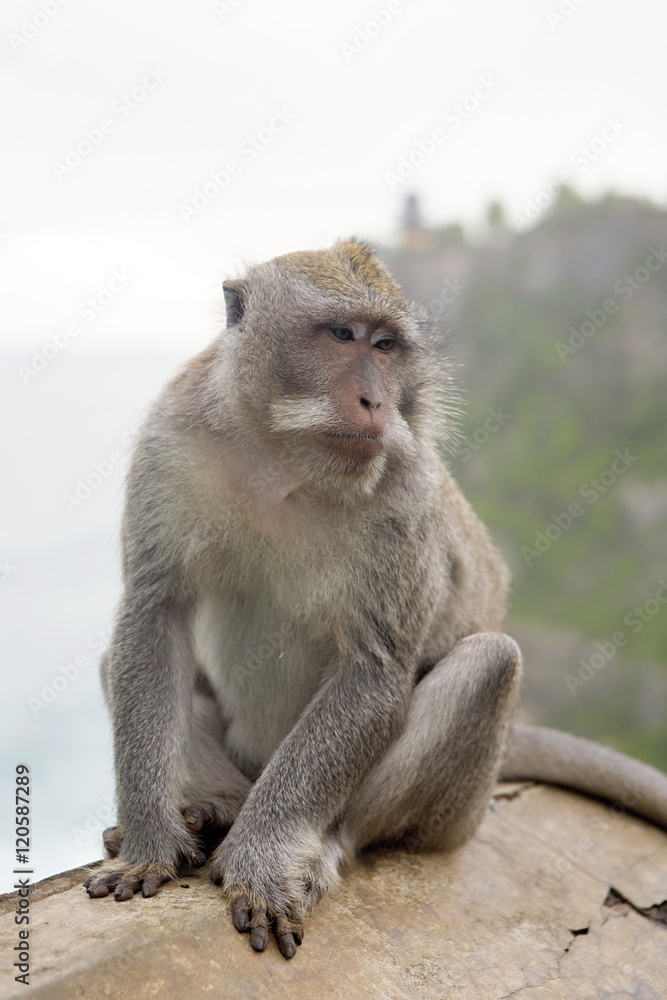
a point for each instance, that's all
(115, 113)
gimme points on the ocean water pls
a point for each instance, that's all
(66, 436)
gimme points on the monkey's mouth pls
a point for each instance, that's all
(361, 445)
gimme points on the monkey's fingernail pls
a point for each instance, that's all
(286, 945)
(259, 938)
(151, 885)
(240, 913)
(240, 918)
(98, 891)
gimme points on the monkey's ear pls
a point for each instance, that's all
(234, 300)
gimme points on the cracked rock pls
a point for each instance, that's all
(525, 908)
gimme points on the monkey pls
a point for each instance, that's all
(310, 656)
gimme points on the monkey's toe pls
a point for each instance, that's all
(100, 886)
(203, 820)
(199, 814)
(197, 856)
(99, 891)
(126, 890)
(113, 841)
(151, 885)
(259, 929)
(289, 934)
(241, 913)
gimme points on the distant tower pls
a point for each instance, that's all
(412, 217)
(414, 236)
(497, 221)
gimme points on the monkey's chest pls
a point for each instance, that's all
(265, 663)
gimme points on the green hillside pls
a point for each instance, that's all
(562, 336)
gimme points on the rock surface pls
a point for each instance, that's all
(557, 897)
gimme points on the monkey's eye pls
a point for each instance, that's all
(385, 345)
(341, 333)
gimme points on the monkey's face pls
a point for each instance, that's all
(337, 378)
(334, 399)
(347, 380)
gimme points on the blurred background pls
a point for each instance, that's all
(508, 161)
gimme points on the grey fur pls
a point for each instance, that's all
(311, 645)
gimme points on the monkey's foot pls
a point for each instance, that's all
(255, 919)
(201, 818)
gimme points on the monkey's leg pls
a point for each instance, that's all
(431, 788)
(215, 789)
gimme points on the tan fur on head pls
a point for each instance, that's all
(349, 268)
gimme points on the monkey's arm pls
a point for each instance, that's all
(150, 685)
(541, 754)
(151, 677)
(276, 854)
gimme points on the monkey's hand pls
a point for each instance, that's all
(281, 854)
(272, 881)
(124, 876)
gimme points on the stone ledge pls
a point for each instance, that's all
(525, 907)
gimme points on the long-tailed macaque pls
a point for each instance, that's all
(309, 657)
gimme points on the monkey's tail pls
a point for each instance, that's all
(534, 753)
